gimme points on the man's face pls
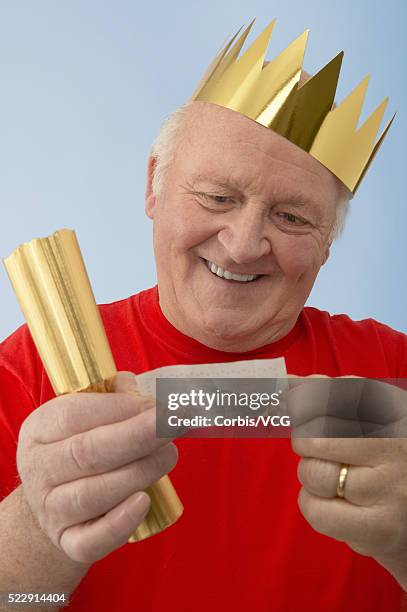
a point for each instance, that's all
(240, 198)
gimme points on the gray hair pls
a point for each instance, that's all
(163, 150)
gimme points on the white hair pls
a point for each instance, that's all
(163, 150)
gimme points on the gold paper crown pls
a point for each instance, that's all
(270, 94)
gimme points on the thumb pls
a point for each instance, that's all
(297, 381)
(126, 382)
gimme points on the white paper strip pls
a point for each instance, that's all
(255, 368)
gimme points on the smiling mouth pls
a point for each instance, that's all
(230, 276)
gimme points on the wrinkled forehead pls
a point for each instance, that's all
(214, 138)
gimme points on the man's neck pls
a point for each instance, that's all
(268, 334)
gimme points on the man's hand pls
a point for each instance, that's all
(372, 516)
(84, 460)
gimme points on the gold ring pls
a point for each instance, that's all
(340, 489)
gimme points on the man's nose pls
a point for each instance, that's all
(244, 237)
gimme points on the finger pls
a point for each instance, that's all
(298, 381)
(359, 399)
(126, 382)
(384, 402)
(102, 449)
(324, 397)
(368, 528)
(75, 413)
(333, 427)
(356, 451)
(87, 498)
(91, 541)
(363, 486)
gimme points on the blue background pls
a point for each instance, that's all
(85, 86)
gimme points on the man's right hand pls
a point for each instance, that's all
(84, 460)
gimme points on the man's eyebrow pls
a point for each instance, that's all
(219, 182)
(297, 200)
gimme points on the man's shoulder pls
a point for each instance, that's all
(17, 348)
(357, 328)
(128, 307)
(361, 341)
(124, 319)
(122, 304)
(20, 382)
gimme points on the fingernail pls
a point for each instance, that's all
(142, 503)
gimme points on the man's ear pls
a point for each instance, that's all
(327, 253)
(150, 197)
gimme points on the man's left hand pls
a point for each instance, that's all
(372, 516)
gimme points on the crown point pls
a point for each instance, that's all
(270, 27)
(304, 36)
(249, 27)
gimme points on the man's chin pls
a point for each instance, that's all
(229, 326)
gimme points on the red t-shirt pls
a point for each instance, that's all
(242, 543)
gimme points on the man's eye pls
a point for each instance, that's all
(219, 199)
(215, 202)
(292, 219)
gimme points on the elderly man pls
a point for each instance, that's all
(243, 221)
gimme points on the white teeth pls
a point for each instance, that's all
(243, 278)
